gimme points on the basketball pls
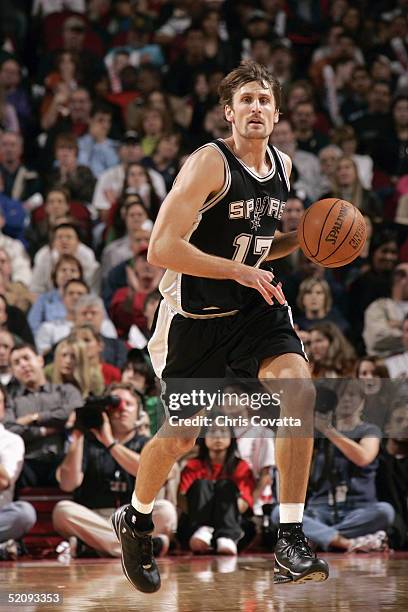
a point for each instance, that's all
(332, 232)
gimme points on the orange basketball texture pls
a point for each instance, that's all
(332, 232)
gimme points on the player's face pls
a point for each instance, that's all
(253, 112)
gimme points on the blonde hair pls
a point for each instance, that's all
(357, 188)
(82, 376)
(307, 285)
(340, 356)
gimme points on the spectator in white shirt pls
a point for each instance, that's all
(306, 175)
(64, 241)
(16, 518)
(110, 183)
(383, 318)
(20, 262)
(138, 226)
(397, 365)
(51, 332)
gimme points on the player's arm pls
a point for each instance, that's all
(283, 243)
(201, 176)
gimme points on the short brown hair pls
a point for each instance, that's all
(67, 139)
(247, 72)
(307, 285)
(66, 259)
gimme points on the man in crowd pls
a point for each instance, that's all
(51, 332)
(397, 365)
(38, 412)
(110, 182)
(16, 518)
(383, 318)
(96, 150)
(20, 183)
(100, 468)
(64, 241)
(306, 168)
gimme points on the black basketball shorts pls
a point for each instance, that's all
(184, 347)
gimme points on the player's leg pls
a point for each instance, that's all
(133, 523)
(294, 559)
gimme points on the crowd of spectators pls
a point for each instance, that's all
(101, 101)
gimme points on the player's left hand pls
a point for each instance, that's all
(262, 281)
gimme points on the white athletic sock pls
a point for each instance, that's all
(143, 508)
(291, 513)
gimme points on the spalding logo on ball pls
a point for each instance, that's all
(332, 232)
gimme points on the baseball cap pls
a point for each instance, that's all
(130, 137)
(74, 23)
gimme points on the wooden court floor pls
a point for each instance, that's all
(370, 583)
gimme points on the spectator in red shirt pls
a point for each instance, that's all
(216, 488)
(128, 302)
(94, 347)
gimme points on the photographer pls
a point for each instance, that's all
(100, 467)
(342, 511)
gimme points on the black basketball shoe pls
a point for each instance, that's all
(294, 559)
(138, 563)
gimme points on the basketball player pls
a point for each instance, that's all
(220, 308)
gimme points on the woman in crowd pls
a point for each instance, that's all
(116, 227)
(215, 490)
(71, 365)
(93, 342)
(345, 138)
(377, 389)
(330, 354)
(49, 306)
(14, 320)
(342, 511)
(315, 302)
(59, 83)
(153, 124)
(374, 282)
(347, 186)
(138, 181)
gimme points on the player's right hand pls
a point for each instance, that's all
(262, 281)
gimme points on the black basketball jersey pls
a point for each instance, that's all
(237, 223)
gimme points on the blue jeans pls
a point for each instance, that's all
(320, 527)
(16, 519)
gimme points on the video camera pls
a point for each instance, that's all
(89, 416)
(326, 398)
